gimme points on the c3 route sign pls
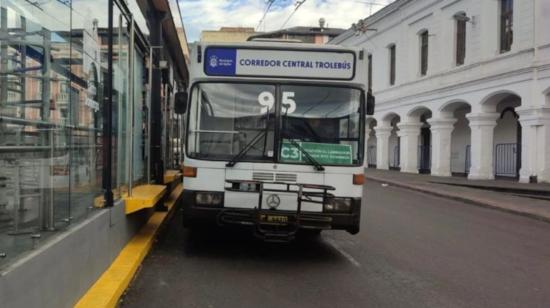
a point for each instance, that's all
(324, 153)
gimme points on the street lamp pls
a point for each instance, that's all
(361, 27)
(463, 17)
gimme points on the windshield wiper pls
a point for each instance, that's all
(245, 150)
(308, 156)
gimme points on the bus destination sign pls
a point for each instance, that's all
(312, 64)
(324, 153)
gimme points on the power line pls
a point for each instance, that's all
(268, 7)
(300, 2)
(297, 6)
(371, 3)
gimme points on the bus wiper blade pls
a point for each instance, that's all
(311, 160)
(245, 150)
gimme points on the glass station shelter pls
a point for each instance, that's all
(70, 144)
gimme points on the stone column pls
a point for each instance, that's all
(528, 150)
(382, 147)
(409, 133)
(535, 144)
(366, 157)
(441, 145)
(482, 126)
(544, 150)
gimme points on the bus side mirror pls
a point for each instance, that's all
(370, 104)
(180, 103)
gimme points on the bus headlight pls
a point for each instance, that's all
(337, 205)
(245, 186)
(209, 198)
(249, 187)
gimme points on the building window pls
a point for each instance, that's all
(460, 38)
(424, 38)
(369, 72)
(392, 64)
(301, 38)
(506, 25)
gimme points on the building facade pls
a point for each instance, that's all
(228, 34)
(314, 35)
(461, 86)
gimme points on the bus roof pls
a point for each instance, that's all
(278, 62)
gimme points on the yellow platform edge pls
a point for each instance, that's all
(171, 175)
(143, 196)
(108, 289)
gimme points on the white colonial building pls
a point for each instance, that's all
(461, 86)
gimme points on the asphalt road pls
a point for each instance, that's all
(414, 250)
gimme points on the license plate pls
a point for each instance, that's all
(274, 218)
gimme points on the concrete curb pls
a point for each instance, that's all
(459, 197)
(110, 287)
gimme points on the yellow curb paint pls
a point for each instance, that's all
(108, 289)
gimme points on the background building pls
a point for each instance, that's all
(228, 34)
(462, 87)
(316, 35)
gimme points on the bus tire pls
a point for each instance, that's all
(311, 233)
(187, 223)
(353, 230)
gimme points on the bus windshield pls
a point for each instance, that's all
(253, 120)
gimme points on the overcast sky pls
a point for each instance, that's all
(201, 15)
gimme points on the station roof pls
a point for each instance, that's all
(173, 31)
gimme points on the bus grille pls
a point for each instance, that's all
(262, 176)
(286, 177)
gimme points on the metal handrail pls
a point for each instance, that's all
(232, 132)
(27, 122)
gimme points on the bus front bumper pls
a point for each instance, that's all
(197, 215)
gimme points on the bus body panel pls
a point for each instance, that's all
(214, 180)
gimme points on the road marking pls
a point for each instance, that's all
(346, 255)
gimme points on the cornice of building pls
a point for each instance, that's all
(369, 20)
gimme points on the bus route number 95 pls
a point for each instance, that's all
(267, 101)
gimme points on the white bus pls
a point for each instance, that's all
(275, 137)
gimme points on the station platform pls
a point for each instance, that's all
(108, 289)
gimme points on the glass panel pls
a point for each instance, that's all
(120, 102)
(506, 25)
(88, 66)
(237, 121)
(90, 26)
(460, 40)
(226, 119)
(139, 120)
(424, 40)
(36, 91)
(51, 105)
(392, 65)
(324, 119)
(369, 72)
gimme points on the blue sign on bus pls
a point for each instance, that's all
(221, 61)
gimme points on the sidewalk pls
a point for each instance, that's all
(532, 200)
